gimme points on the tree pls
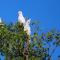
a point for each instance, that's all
(13, 42)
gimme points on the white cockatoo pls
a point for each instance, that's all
(1, 23)
(26, 24)
(21, 19)
(27, 27)
(0, 20)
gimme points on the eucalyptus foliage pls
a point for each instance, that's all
(13, 38)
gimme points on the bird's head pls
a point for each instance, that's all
(28, 21)
(19, 12)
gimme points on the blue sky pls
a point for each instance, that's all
(47, 11)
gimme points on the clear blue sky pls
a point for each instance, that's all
(47, 11)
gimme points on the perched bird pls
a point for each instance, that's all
(21, 19)
(27, 27)
(1, 23)
(0, 20)
(26, 24)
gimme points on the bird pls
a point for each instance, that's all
(27, 28)
(26, 23)
(0, 20)
(1, 23)
(21, 18)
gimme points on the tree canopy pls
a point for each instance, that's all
(13, 41)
